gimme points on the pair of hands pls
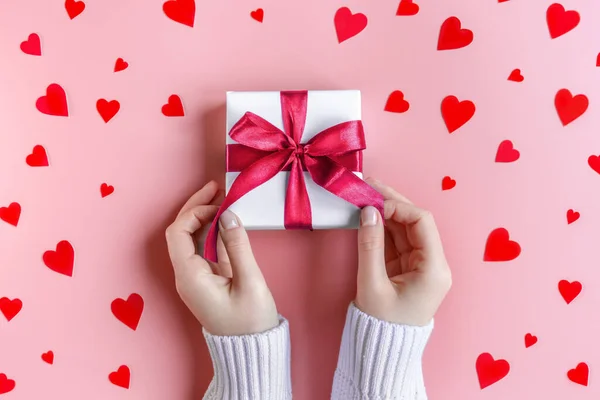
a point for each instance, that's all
(403, 275)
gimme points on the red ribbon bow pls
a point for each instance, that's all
(264, 151)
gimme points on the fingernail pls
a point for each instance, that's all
(368, 216)
(228, 220)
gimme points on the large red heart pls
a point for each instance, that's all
(506, 152)
(54, 102)
(128, 311)
(580, 374)
(530, 340)
(258, 14)
(448, 183)
(32, 45)
(452, 36)
(569, 290)
(348, 25)
(182, 11)
(499, 247)
(107, 109)
(594, 162)
(74, 8)
(456, 113)
(516, 76)
(61, 260)
(570, 107)
(121, 64)
(407, 7)
(396, 103)
(490, 371)
(48, 357)
(11, 214)
(106, 190)
(10, 308)
(572, 216)
(121, 377)
(174, 107)
(38, 157)
(560, 21)
(6, 385)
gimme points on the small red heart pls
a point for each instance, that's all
(258, 14)
(32, 45)
(452, 36)
(10, 308)
(106, 190)
(74, 8)
(490, 371)
(448, 183)
(572, 216)
(506, 152)
(569, 290)
(598, 60)
(516, 76)
(54, 102)
(456, 113)
(407, 7)
(128, 311)
(182, 11)
(502, 1)
(580, 374)
(396, 103)
(594, 162)
(530, 340)
(174, 107)
(348, 25)
(121, 377)
(560, 21)
(48, 357)
(499, 247)
(121, 65)
(570, 107)
(11, 214)
(61, 260)
(107, 109)
(6, 385)
(38, 157)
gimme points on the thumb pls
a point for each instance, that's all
(237, 245)
(371, 248)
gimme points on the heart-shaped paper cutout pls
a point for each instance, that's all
(174, 107)
(107, 109)
(530, 340)
(62, 259)
(182, 11)
(396, 103)
(561, 21)
(106, 190)
(38, 157)
(569, 290)
(579, 374)
(407, 7)
(516, 76)
(258, 14)
(6, 385)
(74, 8)
(572, 216)
(452, 36)
(121, 377)
(506, 152)
(54, 102)
(490, 371)
(448, 183)
(128, 311)
(32, 45)
(121, 65)
(456, 113)
(48, 357)
(594, 163)
(348, 25)
(499, 247)
(10, 308)
(570, 107)
(11, 214)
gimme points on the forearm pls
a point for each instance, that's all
(380, 360)
(251, 367)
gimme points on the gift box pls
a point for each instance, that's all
(294, 161)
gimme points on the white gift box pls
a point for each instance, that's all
(263, 207)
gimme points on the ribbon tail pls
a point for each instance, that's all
(298, 214)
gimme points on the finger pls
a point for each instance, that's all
(386, 191)
(219, 197)
(371, 248)
(224, 263)
(399, 237)
(201, 197)
(422, 233)
(237, 245)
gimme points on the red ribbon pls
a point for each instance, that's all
(264, 151)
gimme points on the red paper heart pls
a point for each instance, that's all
(128, 311)
(594, 162)
(11, 214)
(121, 377)
(106, 190)
(348, 25)
(572, 216)
(580, 374)
(407, 7)
(499, 247)
(107, 109)
(560, 21)
(74, 8)
(54, 102)
(10, 308)
(570, 107)
(121, 64)
(456, 113)
(174, 107)
(61, 260)
(48, 357)
(452, 36)
(598, 60)
(38, 157)
(569, 290)
(6, 385)
(448, 183)
(530, 340)
(506, 152)
(258, 14)
(182, 11)
(32, 45)
(516, 76)
(396, 103)
(490, 371)
(502, 1)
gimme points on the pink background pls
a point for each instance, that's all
(155, 163)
